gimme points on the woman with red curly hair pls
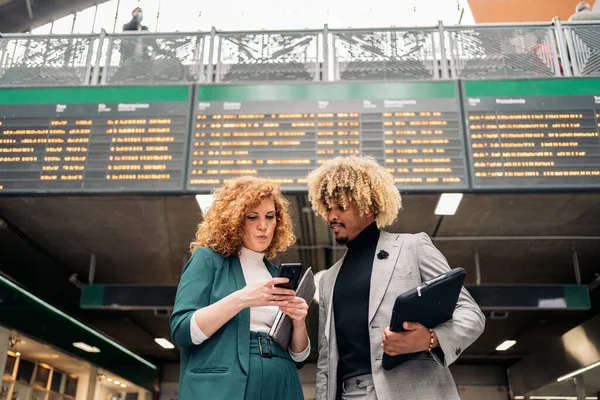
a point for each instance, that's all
(227, 300)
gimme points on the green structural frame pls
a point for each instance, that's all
(21, 310)
(95, 94)
(327, 91)
(533, 87)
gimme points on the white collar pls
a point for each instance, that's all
(251, 255)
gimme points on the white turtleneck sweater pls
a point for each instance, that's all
(261, 318)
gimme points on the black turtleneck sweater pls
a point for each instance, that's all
(351, 304)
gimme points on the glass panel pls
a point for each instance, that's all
(42, 376)
(56, 379)
(37, 394)
(63, 25)
(9, 366)
(84, 20)
(4, 390)
(25, 371)
(105, 18)
(71, 385)
(150, 8)
(42, 30)
(20, 391)
(182, 16)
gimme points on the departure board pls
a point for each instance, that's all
(93, 139)
(533, 134)
(283, 131)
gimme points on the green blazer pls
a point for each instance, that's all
(218, 367)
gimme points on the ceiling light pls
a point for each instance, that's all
(18, 354)
(204, 201)
(506, 345)
(117, 382)
(123, 385)
(448, 203)
(86, 347)
(579, 371)
(164, 343)
(109, 379)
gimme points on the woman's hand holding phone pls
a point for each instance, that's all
(265, 294)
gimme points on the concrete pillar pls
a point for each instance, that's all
(4, 335)
(86, 385)
(143, 394)
(579, 387)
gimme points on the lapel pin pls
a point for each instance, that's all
(382, 255)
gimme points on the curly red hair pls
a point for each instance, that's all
(223, 225)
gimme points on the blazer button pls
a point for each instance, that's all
(457, 352)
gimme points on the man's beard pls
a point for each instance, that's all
(341, 240)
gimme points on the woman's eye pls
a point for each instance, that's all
(252, 217)
(270, 216)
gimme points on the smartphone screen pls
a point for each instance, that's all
(292, 272)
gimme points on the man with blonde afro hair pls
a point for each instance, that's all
(357, 196)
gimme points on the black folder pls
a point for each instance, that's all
(430, 304)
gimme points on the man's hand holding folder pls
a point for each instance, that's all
(415, 338)
(416, 313)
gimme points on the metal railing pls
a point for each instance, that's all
(502, 51)
(28, 60)
(484, 51)
(268, 56)
(386, 54)
(135, 58)
(583, 42)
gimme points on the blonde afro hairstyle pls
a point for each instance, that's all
(359, 180)
(223, 226)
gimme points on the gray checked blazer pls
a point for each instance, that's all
(412, 259)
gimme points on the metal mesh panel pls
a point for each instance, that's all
(488, 52)
(151, 58)
(41, 61)
(584, 48)
(386, 54)
(273, 56)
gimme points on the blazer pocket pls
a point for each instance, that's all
(406, 277)
(210, 370)
(408, 271)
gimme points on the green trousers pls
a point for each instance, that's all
(272, 375)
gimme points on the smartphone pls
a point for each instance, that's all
(292, 272)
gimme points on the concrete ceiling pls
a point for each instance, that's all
(144, 240)
(24, 15)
